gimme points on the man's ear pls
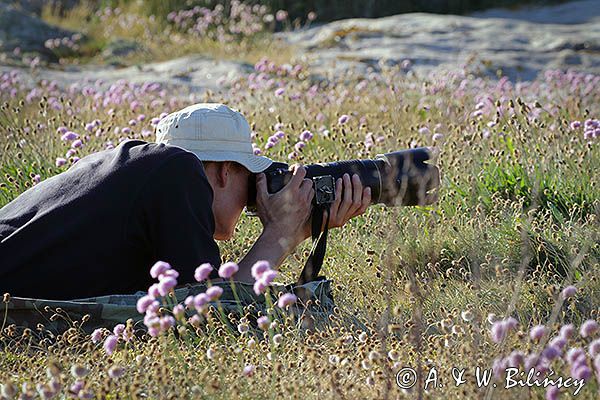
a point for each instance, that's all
(222, 173)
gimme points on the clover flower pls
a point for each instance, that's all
(159, 268)
(588, 328)
(537, 332)
(214, 292)
(263, 322)
(259, 268)
(166, 285)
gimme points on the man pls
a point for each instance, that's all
(98, 227)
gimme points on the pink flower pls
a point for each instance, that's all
(594, 348)
(118, 329)
(97, 335)
(263, 322)
(178, 311)
(200, 300)
(153, 291)
(143, 303)
(306, 136)
(214, 292)
(170, 272)
(167, 322)
(268, 276)
(110, 344)
(259, 268)
(259, 287)
(568, 292)
(537, 332)
(281, 15)
(575, 125)
(159, 268)
(343, 119)
(248, 370)
(567, 331)
(60, 161)
(69, 136)
(588, 328)
(228, 269)
(286, 300)
(279, 91)
(166, 284)
(552, 393)
(203, 272)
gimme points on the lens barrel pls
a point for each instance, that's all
(396, 178)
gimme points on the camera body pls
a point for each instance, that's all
(397, 178)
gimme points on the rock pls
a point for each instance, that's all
(18, 29)
(518, 47)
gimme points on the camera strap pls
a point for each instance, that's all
(313, 265)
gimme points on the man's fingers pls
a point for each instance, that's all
(261, 186)
(366, 200)
(347, 197)
(299, 172)
(356, 193)
(306, 189)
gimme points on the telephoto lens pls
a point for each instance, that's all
(399, 178)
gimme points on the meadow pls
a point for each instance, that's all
(502, 272)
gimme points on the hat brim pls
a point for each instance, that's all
(253, 163)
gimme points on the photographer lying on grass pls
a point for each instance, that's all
(97, 227)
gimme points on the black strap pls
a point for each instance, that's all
(313, 265)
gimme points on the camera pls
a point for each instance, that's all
(398, 178)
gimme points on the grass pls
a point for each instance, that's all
(517, 221)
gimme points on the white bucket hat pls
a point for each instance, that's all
(213, 132)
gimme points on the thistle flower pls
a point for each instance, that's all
(119, 329)
(159, 268)
(200, 300)
(115, 372)
(299, 146)
(567, 331)
(343, 119)
(60, 161)
(259, 287)
(279, 92)
(228, 269)
(79, 371)
(286, 299)
(77, 143)
(153, 291)
(306, 136)
(277, 339)
(203, 272)
(69, 135)
(178, 311)
(110, 344)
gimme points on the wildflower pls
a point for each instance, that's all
(60, 161)
(393, 355)
(279, 91)
(69, 136)
(552, 393)
(281, 15)
(437, 136)
(143, 303)
(558, 342)
(242, 328)
(203, 272)
(159, 268)
(153, 291)
(119, 329)
(537, 332)
(366, 364)
(228, 269)
(167, 322)
(467, 315)
(575, 125)
(110, 344)
(575, 355)
(97, 335)
(594, 348)
(79, 371)
(334, 359)
(567, 331)
(171, 272)
(200, 300)
(115, 372)
(299, 146)
(286, 300)
(551, 352)
(210, 353)
(343, 119)
(61, 130)
(581, 372)
(424, 131)
(263, 322)
(277, 339)
(363, 337)
(259, 287)
(306, 136)
(178, 311)
(248, 370)
(498, 331)
(166, 284)
(268, 276)
(259, 268)
(214, 292)
(588, 328)
(568, 292)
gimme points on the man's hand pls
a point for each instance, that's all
(287, 212)
(354, 201)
